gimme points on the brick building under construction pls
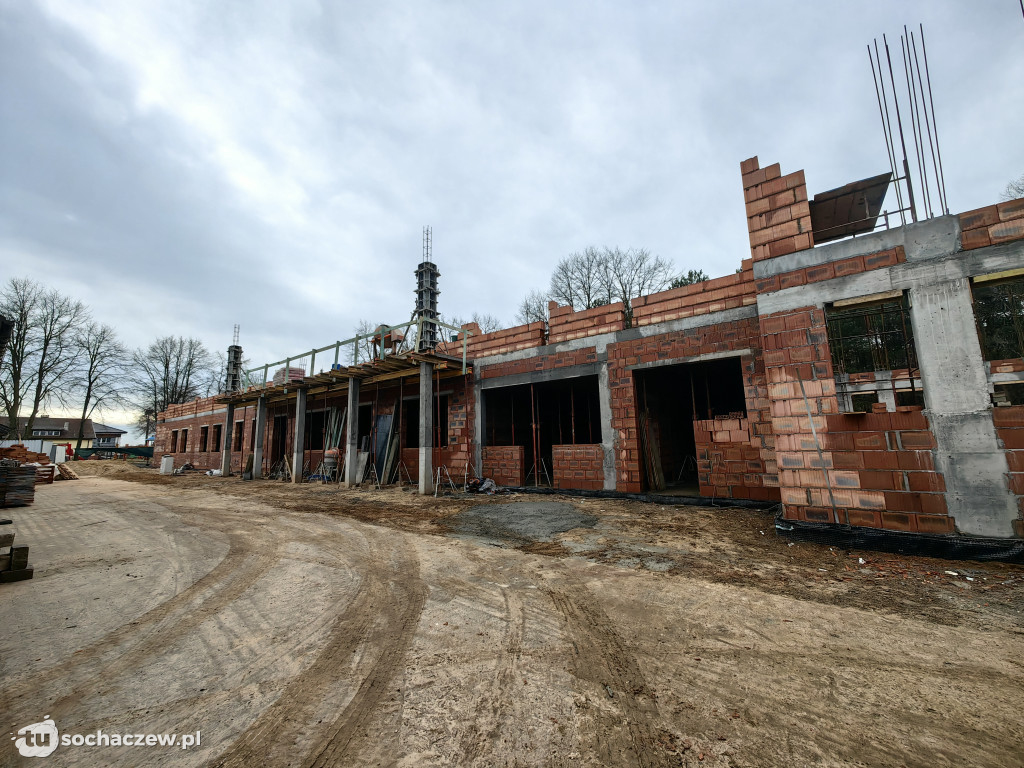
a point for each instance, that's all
(873, 381)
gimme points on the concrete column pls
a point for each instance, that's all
(959, 410)
(478, 426)
(426, 428)
(298, 448)
(352, 434)
(225, 449)
(604, 396)
(261, 430)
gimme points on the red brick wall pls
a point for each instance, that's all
(1009, 421)
(565, 324)
(992, 224)
(539, 363)
(778, 214)
(728, 292)
(678, 345)
(504, 464)
(496, 343)
(884, 474)
(729, 461)
(202, 412)
(578, 466)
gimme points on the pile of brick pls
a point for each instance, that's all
(992, 224)
(13, 560)
(23, 455)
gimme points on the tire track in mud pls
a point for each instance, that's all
(600, 657)
(249, 556)
(493, 709)
(368, 642)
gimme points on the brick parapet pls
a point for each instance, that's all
(778, 211)
(992, 225)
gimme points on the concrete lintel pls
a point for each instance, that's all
(954, 265)
(261, 430)
(693, 359)
(225, 449)
(929, 239)
(426, 478)
(299, 445)
(536, 377)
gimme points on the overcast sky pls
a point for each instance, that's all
(185, 166)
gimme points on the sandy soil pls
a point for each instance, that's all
(303, 625)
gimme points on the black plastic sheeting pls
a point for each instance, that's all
(947, 547)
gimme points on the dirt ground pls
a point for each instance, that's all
(312, 626)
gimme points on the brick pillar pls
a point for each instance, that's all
(778, 214)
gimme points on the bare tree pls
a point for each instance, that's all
(487, 323)
(581, 279)
(1014, 189)
(43, 354)
(99, 378)
(635, 272)
(534, 308)
(18, 302)
(170, 370)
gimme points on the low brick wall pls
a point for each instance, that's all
(504, 464)
(729, 463)
(721, 293)
(1009, 421)
(829, 270)
(565, 324)
(580, 467)
(992, 224)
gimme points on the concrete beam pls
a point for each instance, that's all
(959, 411)
(261, 430)
(225, 449)
(352, 434)
(426, 428)
(299, 445)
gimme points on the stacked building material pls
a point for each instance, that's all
(19, 453)
(17, 486)
(13, 560)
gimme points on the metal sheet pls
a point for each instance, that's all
(849, 210)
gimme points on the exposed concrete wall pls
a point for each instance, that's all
(227, 437)
(426, 470)
(261, 430)
(352, 434)
(607, 433)
(968, 453)
(299, 443)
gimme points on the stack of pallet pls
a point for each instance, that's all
(13, 560)
(17, 486)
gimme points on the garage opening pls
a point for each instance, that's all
(541, 417)
(670, 399)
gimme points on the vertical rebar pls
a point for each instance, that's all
(913, 126)
(899, 125)
(935, 120)
(886, 134)
(928, 125)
